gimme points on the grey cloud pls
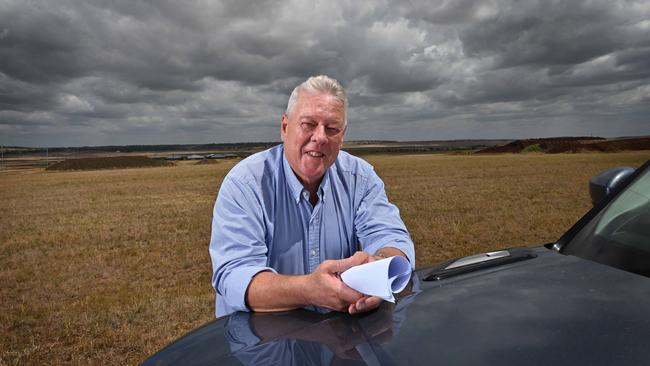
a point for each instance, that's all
(634, 62)
(22, 96)
(579, 43)
(105, 72)
(444, 12)
(39, 45)
(543, 33)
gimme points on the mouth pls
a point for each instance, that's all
(315, 154)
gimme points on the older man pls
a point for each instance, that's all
(288, 220)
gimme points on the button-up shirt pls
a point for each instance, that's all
(263, 221)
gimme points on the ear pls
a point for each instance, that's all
(283, 126)
(345, 129)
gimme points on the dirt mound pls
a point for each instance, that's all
(208, 162)
(519, 145)
(112, 162)
(637, 143)
(570, 145)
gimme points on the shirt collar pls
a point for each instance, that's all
(324, 184)
(294, 184)
(296, 187)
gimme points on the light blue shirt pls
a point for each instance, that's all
(263, 221)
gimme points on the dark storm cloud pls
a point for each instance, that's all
(119, 72)
(564, 33)
(37, 45)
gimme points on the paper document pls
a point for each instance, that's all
(380, 278)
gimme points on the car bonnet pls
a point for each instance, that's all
(551, 309)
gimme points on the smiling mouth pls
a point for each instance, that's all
(315, 154)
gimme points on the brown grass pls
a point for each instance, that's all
(106, 267)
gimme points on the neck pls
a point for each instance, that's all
(311, 187)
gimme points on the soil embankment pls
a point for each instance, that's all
(112, 162)
(570, 145)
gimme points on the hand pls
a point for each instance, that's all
(325, 288)
(366, 303)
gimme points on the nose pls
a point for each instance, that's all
(319, 136)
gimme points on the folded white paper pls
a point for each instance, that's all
(380, 278)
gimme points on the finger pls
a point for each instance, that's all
(348, 294)
(360, 304)
(332, 266)
(355, 260)
(367, 303)
(361, 256)
(328, 265)
(352, 309)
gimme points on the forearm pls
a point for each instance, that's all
(379, 226)
(391, 247)
(270, 291)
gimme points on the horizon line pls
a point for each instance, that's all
(349, 141)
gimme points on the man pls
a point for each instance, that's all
(289, 220)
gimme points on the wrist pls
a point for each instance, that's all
(305, 283)
(381, 255)
(387, 252)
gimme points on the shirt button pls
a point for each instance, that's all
(313, 252)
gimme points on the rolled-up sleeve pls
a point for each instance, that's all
(378, 223)
(237, 246)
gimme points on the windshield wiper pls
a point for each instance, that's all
(477, 262)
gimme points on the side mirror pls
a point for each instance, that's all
(603, 183)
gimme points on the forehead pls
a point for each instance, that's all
(318, 105)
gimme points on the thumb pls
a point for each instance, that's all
(357, 259)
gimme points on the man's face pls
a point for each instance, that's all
(312, 134)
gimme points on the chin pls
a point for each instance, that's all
(313, 174)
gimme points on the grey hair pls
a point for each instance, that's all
(322, 84)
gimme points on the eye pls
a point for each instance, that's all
(308, 126)
(332, 131)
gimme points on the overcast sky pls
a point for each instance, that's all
(118, 72)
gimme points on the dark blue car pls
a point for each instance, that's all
(583, 300)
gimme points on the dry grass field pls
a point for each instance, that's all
(106, 267)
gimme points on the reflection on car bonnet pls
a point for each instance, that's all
(300, 337)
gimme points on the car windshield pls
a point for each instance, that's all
(619, 235)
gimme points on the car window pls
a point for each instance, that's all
(628, 215)
(619, 235)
